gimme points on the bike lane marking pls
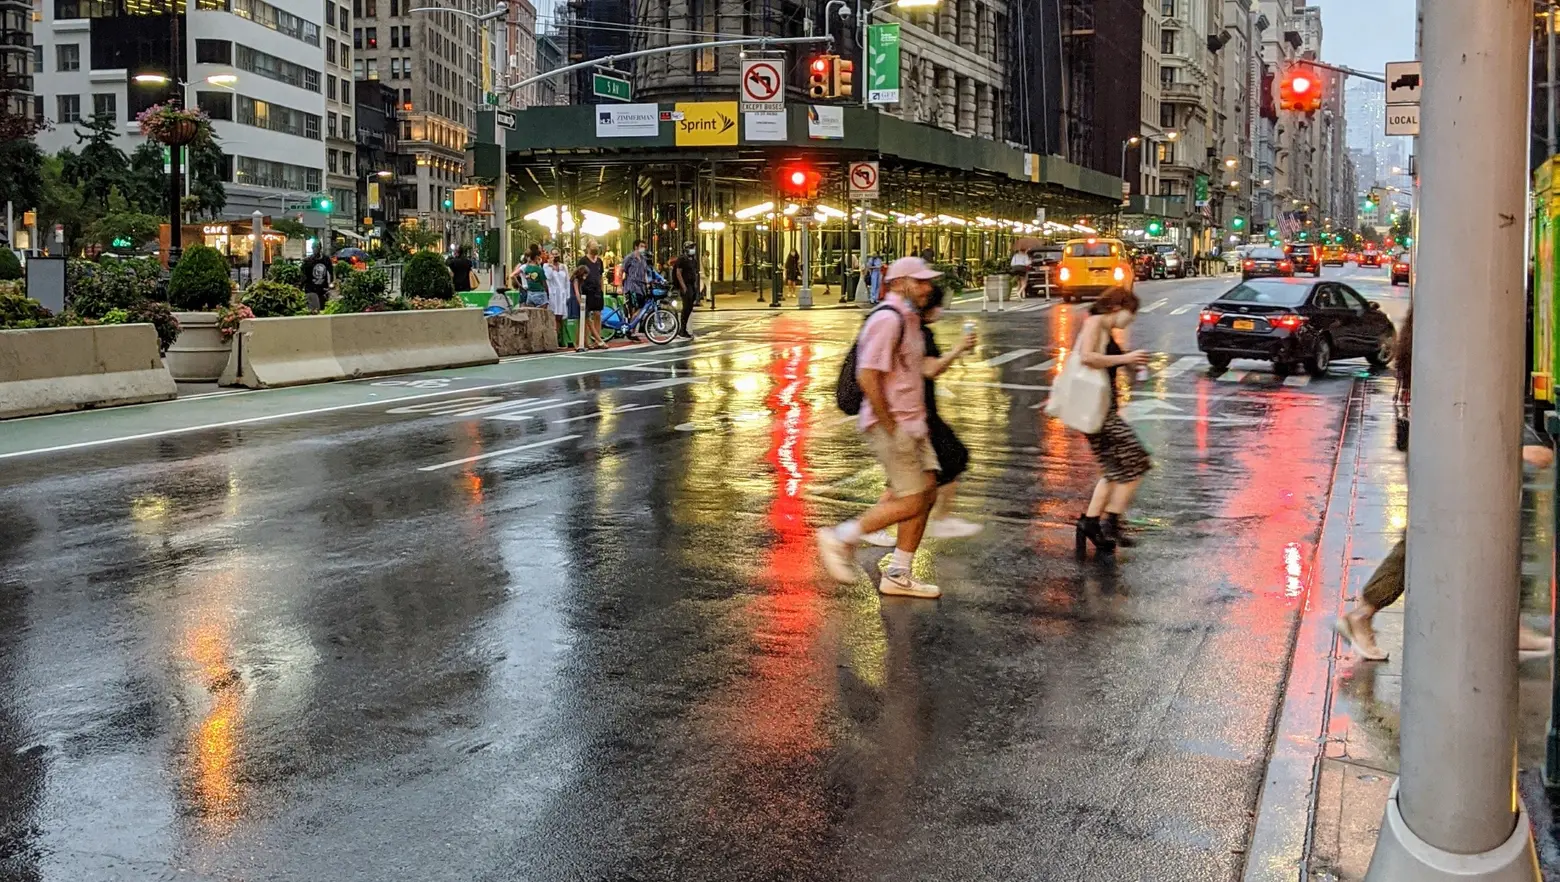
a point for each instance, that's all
(505, 452)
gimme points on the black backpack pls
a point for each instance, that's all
(847, 393)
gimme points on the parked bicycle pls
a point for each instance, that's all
(657, 318)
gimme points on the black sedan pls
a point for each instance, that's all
(1289, 322)
(1263, 262)
(1305, 258)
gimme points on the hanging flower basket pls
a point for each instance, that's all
(177, 126)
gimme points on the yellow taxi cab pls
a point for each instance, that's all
(1333, 255)
(1090, 266)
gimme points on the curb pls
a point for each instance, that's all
(1280, 841)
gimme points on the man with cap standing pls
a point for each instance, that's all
(889, 354)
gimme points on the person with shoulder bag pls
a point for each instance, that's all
(1078, 402)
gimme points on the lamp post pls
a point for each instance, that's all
(176, 153)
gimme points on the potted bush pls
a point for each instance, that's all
(361, 291)
(268, 299)
(197, 288)
(425, 277)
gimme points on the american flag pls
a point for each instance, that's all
(1288, 225)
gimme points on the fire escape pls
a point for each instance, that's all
(1078, 80)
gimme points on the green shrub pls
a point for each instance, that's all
(158, 315)
(16, 308)
(10, 264)
(362, 289)
(268, 299)
(426, 277)
(115, 317)
(200, 281)
(108, 287)
(287, 272)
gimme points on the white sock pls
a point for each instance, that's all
(849, 532)
(902, 559)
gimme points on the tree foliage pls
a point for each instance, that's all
(120, 222)
(417, 236)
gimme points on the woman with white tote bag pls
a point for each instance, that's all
(1084, 398)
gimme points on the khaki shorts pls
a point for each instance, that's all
(906, 460)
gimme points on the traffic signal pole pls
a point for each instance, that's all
(1453, 812)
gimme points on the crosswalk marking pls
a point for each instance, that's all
(1297, 380)
(1183, 365)
(1155, 305)
(1232, 377)
(1043, 366)
(1183, 310)
(1006, 357)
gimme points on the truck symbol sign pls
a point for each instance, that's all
(1406, 81)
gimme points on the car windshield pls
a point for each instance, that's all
(1089, 249)
(1404, 258)
(1266, 254)
(1268, 293)
(1291, 249)
(1164, 249)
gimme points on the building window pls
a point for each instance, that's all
(217, 105)
(1167, 42)
(357, 8)
(213, 52)
(330, 14)
(370, 8)
(406, 99)
(395, 38)
(371, 36)
(357, 69)
(330, 50)
(346, 163)
(38, 108)
(343, 18)
(311, 127)
(1164, 152)
(1167, 8)
(395, 68)
(357, 38)
(276, 118)
(280, 175)
(104, 106)
(330, 87)
(406, 36)
(266, 15)
(68, 56)
(373, 69)
(330, 161)
(330, 124)
(38, 58)
(271, 67)
(395, 8)
(1167, 117)
(1167, 76)
(70, 109)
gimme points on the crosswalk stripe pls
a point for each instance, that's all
(1043, 366)
(1006, 357)
(1155, 305)
(1298, 380)
(1183, 310)
(1183, 365)
(1232, 377)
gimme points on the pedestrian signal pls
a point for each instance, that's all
(820, 79)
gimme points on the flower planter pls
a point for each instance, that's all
(200, 353)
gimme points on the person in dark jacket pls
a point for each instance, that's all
(460, 270)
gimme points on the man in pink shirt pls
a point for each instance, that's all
(889, 353)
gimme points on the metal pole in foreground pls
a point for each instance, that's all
(256, 247)
(1452, 813)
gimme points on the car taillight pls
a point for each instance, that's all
(1289, 322)
(1119, 275)
(1209, 317)
(1284, 264)
(1250, 264)
(1065, 274)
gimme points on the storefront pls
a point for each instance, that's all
(235, 239)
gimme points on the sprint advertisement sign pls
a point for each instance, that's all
(706, 124)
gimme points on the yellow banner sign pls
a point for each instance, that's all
(706, 124)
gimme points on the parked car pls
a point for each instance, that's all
(1147, 262)
(1262, 262)
(1176, 263)
(1402, 266)
(1289, 322)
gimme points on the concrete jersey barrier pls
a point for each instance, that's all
(50, 370)
(319, 348)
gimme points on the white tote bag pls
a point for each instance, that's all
(1080, 397)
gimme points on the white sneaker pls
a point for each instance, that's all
(899, 583)
(882, 539)
(952, 528)
(838, 557)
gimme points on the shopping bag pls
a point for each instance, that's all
(1080, 397)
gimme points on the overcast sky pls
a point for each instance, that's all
(1366, 34)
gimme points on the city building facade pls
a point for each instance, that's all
(16, 58)
(1190, 80)
(376, 113)
(342, 41)
(1239, 102)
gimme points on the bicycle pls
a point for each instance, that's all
(654, 319)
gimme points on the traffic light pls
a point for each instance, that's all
(1300, 90)
(820, 79)
(1304, 235)
(320, 203)
(448, 204)
(798, 180)
(1155, 227)
(844, 78)
(1238, 223)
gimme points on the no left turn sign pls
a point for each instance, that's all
(763, 88)
(864, 180)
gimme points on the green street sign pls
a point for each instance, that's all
(883, 64)
(610, 87)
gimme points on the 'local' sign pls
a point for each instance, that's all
(1405, 80)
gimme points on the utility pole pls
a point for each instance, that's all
(1452, 814)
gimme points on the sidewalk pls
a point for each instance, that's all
(1358, 758)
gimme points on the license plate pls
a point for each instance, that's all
(1243, 324)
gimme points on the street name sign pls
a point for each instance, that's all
(763, 87)
(615, 88)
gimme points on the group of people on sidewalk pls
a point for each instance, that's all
(579, 294)
(889, 376)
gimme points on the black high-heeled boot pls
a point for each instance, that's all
(1089, 530)
(1111, 527)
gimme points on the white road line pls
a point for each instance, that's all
(1183, 310)
(601, 413)
(1232, 377)
(665, 383)
(1182, 365)
(1155, 305)
(1006, 357)
(1043, 366)
(524, 447)
(1015, 387)
(1298, 380)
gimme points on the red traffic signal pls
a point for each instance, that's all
(820, 79)
(1299, 90)
(799, 181)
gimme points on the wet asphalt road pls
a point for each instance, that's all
(561, 619)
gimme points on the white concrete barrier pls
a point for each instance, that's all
(50, 370)
(319, 348)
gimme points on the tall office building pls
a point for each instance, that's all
(340, 102)
(267, 110)
(16, 58)
(435, 64)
